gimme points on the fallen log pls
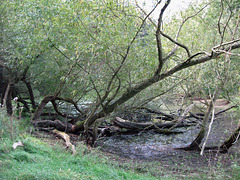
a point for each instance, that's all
(57, 124)
(218, 113)
(121, 123)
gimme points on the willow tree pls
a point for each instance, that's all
(165, 65)
(109, 52)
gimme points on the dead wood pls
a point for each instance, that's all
(196, 116)
(66, 137)
(40, 108)
(51, 98)
(167, 131)
(182, 117)
(227, 144)
(57, 124)
(195, 145)
(220, 112)
(121, 123)
(200, 116)
(168, 116)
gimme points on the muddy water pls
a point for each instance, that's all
(147, 144)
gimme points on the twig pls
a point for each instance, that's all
(225, 110)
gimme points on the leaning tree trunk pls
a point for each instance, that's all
(195, 145)
(131, 92)
(53, 98)
(231, 140)
(38, 112)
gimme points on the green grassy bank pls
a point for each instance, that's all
(40, 160)
(48, 159)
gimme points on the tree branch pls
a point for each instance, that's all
(158, 39)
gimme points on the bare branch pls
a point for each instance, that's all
(224, 29)
(179, 30)
(208, 133)
(219, 21)
(177, 43)
(229, 53)
(200, 60)
(215, 49)
(145, 13)
(158, 38)
(115, 94)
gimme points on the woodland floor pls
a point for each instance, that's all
(164, 160)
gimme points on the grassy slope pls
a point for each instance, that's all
(40, 160)
(48, 159)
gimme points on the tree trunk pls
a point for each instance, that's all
(231, 140)
(57, 124)
(195, 145)
(29, 87)
(7, 98)
(52, 98)
(121, 123)
(38, 112)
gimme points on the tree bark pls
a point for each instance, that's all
(52, 98)
(231, 140)
(7, 98)
(57, 124)
(29, 87)
(38, 112)
(195, 145)
(121, 123)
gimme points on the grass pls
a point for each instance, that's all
(39, 159)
